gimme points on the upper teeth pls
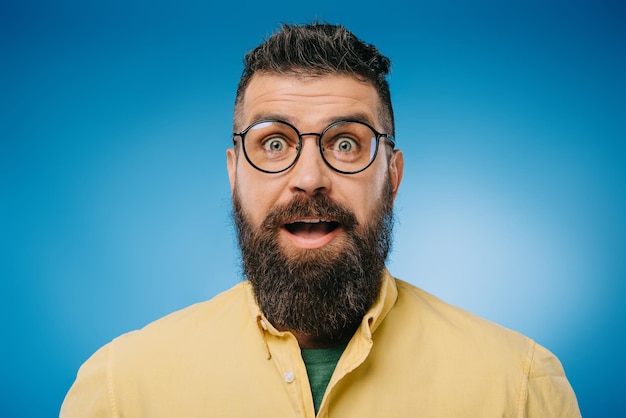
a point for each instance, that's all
(310, 221)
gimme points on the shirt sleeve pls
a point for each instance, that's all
(91, 395)
(549, 393)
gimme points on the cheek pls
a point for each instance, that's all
(256, 195)
(359, 196)
(369, 195)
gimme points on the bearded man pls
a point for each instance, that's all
(320, 327)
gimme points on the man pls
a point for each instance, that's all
(320, 327)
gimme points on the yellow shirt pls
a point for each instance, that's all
(413, 356)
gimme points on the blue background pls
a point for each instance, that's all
(115, 203)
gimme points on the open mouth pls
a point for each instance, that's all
(312, 232)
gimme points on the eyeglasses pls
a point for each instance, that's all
(346, 146)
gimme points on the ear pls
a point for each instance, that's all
(231, 166)
(396, 171)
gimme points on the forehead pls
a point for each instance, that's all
(308, 101)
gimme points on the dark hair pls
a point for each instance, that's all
(320, 49)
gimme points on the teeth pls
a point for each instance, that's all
(310, 221)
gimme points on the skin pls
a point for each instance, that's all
(311, 104)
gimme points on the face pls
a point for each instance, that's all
(324, 230)
(310, 105)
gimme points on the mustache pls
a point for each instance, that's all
(317, 206)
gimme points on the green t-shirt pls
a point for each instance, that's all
(320, 364)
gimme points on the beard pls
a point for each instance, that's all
(322, 292)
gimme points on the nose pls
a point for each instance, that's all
(310, 174)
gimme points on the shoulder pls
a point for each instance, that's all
(442, 329)
(171, 355)
(430, 311)
(179, 340)
(192, 324)
(174, 346)
(454, 334)
(452, 354)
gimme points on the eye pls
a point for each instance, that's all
(345, 144)
(275, 144)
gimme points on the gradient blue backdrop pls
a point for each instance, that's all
(114, 211)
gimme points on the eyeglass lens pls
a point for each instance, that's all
(273, 146)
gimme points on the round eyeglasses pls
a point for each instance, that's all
(346, 146)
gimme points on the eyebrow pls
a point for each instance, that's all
(359, 117)
(278, 116)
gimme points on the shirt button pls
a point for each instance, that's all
(289, 377)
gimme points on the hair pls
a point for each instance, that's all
(320, 49)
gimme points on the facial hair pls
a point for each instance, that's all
(322, 292)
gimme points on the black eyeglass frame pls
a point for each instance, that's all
(390, 140)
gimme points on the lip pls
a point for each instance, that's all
(310, 237)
